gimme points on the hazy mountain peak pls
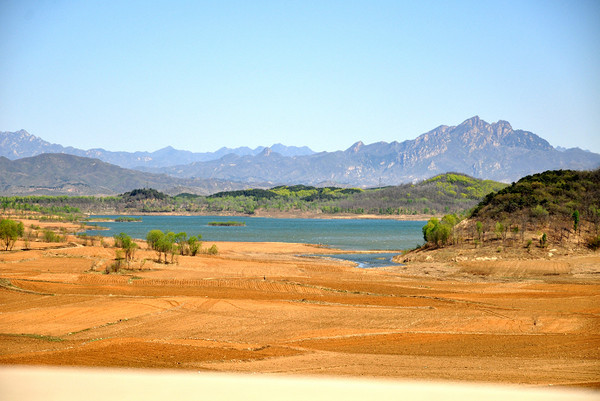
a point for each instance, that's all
(356, 147)
(291, 150)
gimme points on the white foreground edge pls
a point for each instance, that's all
(65, 384)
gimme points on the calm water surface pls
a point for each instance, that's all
(349, 234)
(366, 260)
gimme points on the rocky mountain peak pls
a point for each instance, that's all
(502, 128)
(356, 147)
(474, 122)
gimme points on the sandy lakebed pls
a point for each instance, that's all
(260, 307)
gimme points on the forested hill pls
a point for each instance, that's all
(444, 193)
(551, 195)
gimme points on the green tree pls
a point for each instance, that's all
(194, 244)
(429, 228)
(575, 220)
(438, 232)
(539, 212)
(499, 230)
(153, 237)
(450, 219)
(125, 242)
(543, 240)
(479, 227)
(166, 245)
(443, 233)
(181, 239)
(10, 231)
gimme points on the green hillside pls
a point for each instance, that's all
(446, 193)
(552, 194)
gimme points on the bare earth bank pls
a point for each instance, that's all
(260, 307)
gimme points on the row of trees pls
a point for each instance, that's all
(166, 245)
(172, 244)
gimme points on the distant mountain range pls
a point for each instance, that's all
(490, 151)
(19, 144)
(62, 174)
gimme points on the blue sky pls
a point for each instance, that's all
(199, 75)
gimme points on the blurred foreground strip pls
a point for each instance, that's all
(48, 384)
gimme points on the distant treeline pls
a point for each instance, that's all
(446, 193)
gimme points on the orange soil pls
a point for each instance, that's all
(259, 307)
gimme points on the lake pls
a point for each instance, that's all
(348, 234)
(351, 234)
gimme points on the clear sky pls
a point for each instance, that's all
(199, 75)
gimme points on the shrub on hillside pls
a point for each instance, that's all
(594, 243)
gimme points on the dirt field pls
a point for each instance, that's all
(259, 307)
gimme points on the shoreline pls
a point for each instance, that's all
(285, 215)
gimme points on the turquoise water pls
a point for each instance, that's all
(350, 234)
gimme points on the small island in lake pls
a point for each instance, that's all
(128, 219)
(227, 223)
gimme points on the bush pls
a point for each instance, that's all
(594, 243)
(543, 240)
(51, 236)
(117, 264)
(213, 250)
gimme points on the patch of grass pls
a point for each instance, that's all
(132, 278)
(35, 336)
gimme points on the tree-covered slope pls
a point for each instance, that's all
(444, 193)
(553, 194)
